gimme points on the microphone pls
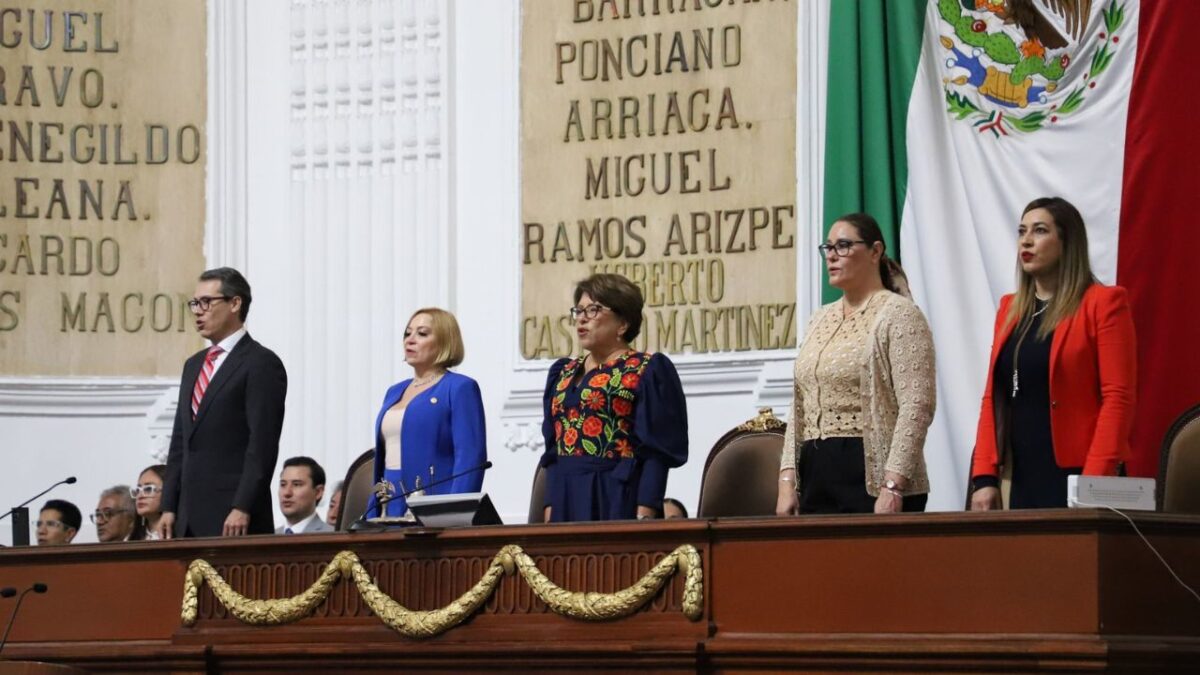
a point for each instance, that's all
(20, 525)
(482, 467)
(37, 587)
(69, 480)
(7, 592)
(382, 501)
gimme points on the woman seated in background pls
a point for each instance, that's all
(1059, 397)
(335, 505)
(864, 388)
(615, 418)
(431, 426)
(147, 495)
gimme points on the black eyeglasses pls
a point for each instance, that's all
(203, 303)
(149, 489)
(104, 515)
(591, 311)
(842, 246)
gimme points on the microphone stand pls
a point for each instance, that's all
(37, 588)
(20, 524)
(363, 522)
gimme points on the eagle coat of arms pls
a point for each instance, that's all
(1008, 60)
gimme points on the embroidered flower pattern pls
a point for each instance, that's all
(598, 424)
(622, 407)
(593, 400)
(592, 426)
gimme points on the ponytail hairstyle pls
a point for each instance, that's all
(1074, 270)
(890, 273)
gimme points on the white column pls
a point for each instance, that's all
(368, 237)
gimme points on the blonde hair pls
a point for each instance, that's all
(449, 338)
(1074, 270)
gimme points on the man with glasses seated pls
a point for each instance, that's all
(114, 516)
(58, 523)
(227, 425)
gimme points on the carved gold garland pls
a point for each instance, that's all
(420, 624)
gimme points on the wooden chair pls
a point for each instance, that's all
(1179, 465)
(537, 496)
(741, 473)
(357, 489)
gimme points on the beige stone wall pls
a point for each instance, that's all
(658, 142)
(102, 173)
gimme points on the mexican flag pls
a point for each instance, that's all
(946, 117)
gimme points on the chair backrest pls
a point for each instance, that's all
(1179, 465)
(357, 489)
(537, 496)
(741, 474)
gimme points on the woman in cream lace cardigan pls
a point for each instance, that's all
(864, 389)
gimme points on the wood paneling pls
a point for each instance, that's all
(1071, 590)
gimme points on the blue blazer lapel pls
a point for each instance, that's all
(390, 399)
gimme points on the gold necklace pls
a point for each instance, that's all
(427, 380)
(1016, 376)
(849, 310)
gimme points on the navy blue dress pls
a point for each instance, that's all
(611, 435)
(1038, 482)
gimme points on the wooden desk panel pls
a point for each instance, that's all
(1074, 590)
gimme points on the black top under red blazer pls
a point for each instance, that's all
(226, 457)
(1093, 382)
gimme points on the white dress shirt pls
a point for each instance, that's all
(302, 526)
(227, 346)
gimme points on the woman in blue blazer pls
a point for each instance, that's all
(431, 426)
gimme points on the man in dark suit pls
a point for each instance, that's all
(226, 436)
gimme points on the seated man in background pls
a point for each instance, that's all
(301, 486)
(115, 515)
(335, 506)
(58, 523)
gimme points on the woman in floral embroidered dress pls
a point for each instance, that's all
(615, 419)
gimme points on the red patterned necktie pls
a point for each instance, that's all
(205, 376)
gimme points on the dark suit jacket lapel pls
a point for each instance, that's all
(224, 374)
(191, 374)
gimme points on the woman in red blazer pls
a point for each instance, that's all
(1059, 397)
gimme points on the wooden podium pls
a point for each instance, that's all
(1059, 590)
(37, 668)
